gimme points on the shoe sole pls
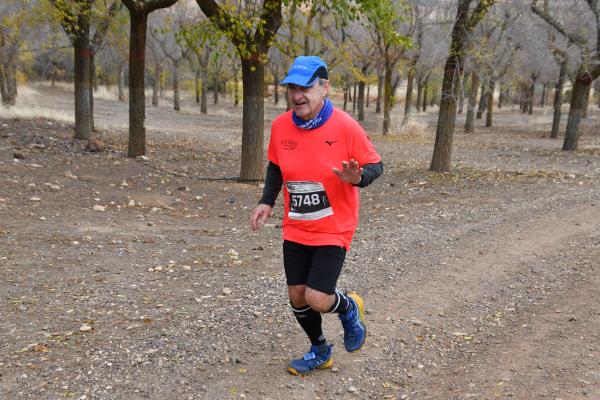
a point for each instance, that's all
(326, 365)
(361, 315)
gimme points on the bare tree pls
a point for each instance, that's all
(412, 59)
(466, 21)
(252, 45)
(589, 68)
(156, 59)
(15, 17)
(385, 19)
(167, 31)
(138, 14)
(85, 22)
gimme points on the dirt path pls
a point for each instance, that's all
(485, 302)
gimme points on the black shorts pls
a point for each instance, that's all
(317, 267)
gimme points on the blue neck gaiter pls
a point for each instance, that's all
(318, 120)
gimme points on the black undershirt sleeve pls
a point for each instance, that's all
(370, 173)
(273, 184)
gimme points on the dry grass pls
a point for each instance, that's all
(102, 92)
(412, 131)
(107, 93)
(221, 112)
(24, 110)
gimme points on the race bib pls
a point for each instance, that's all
(308, 201)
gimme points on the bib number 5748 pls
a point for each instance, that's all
(299, 200)
(308, 200)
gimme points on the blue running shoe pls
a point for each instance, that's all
(319, 357)
(355, 330)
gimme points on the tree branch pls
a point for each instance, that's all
(271, 15)
(224, 21)
(130, 4)
(478, 13)
(594, 6)
(152, 5)
(576, 39)
(103, 25)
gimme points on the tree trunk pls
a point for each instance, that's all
(469, 120)
(223, 88)
(463, 25)
(349, 91)
(253, 119)
(92, 87)
(204, 91)
(425, 93)
(531, 96)
(500, 98)
(361, 101)
(355, 88)
(409, 94)
(419, 95)
(83, 117)
(309, 21)
(380, 79)
(586, 102)
(461, 94)
(368, 95)
(162, 84)
(176, 102)
(13, 90)
(490, 104)
(7, 85)
(433, 97)
(156, 84)
(346, 89)
(442, 152)
(543, 98)
(276, 87)
(197, 85)
(580, 90)
(137, 101)
(387, 97)
(121, 83)
(216, 88)
(3, 91)
(236, 88)
(482, 101)
(558, 98)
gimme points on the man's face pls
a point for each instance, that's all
(307, 101)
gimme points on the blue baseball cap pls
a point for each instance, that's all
(305, 70)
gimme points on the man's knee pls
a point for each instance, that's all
(318, 301)
(296, 295)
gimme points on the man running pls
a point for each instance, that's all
(321, 156)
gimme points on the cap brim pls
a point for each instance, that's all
(297, 79)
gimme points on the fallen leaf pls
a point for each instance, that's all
(40, 348)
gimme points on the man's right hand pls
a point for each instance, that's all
(259, 216)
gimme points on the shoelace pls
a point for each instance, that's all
(348, 319)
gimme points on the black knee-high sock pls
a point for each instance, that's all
(310, 321)
(341, 304)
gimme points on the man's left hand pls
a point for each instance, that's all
(350, 172)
